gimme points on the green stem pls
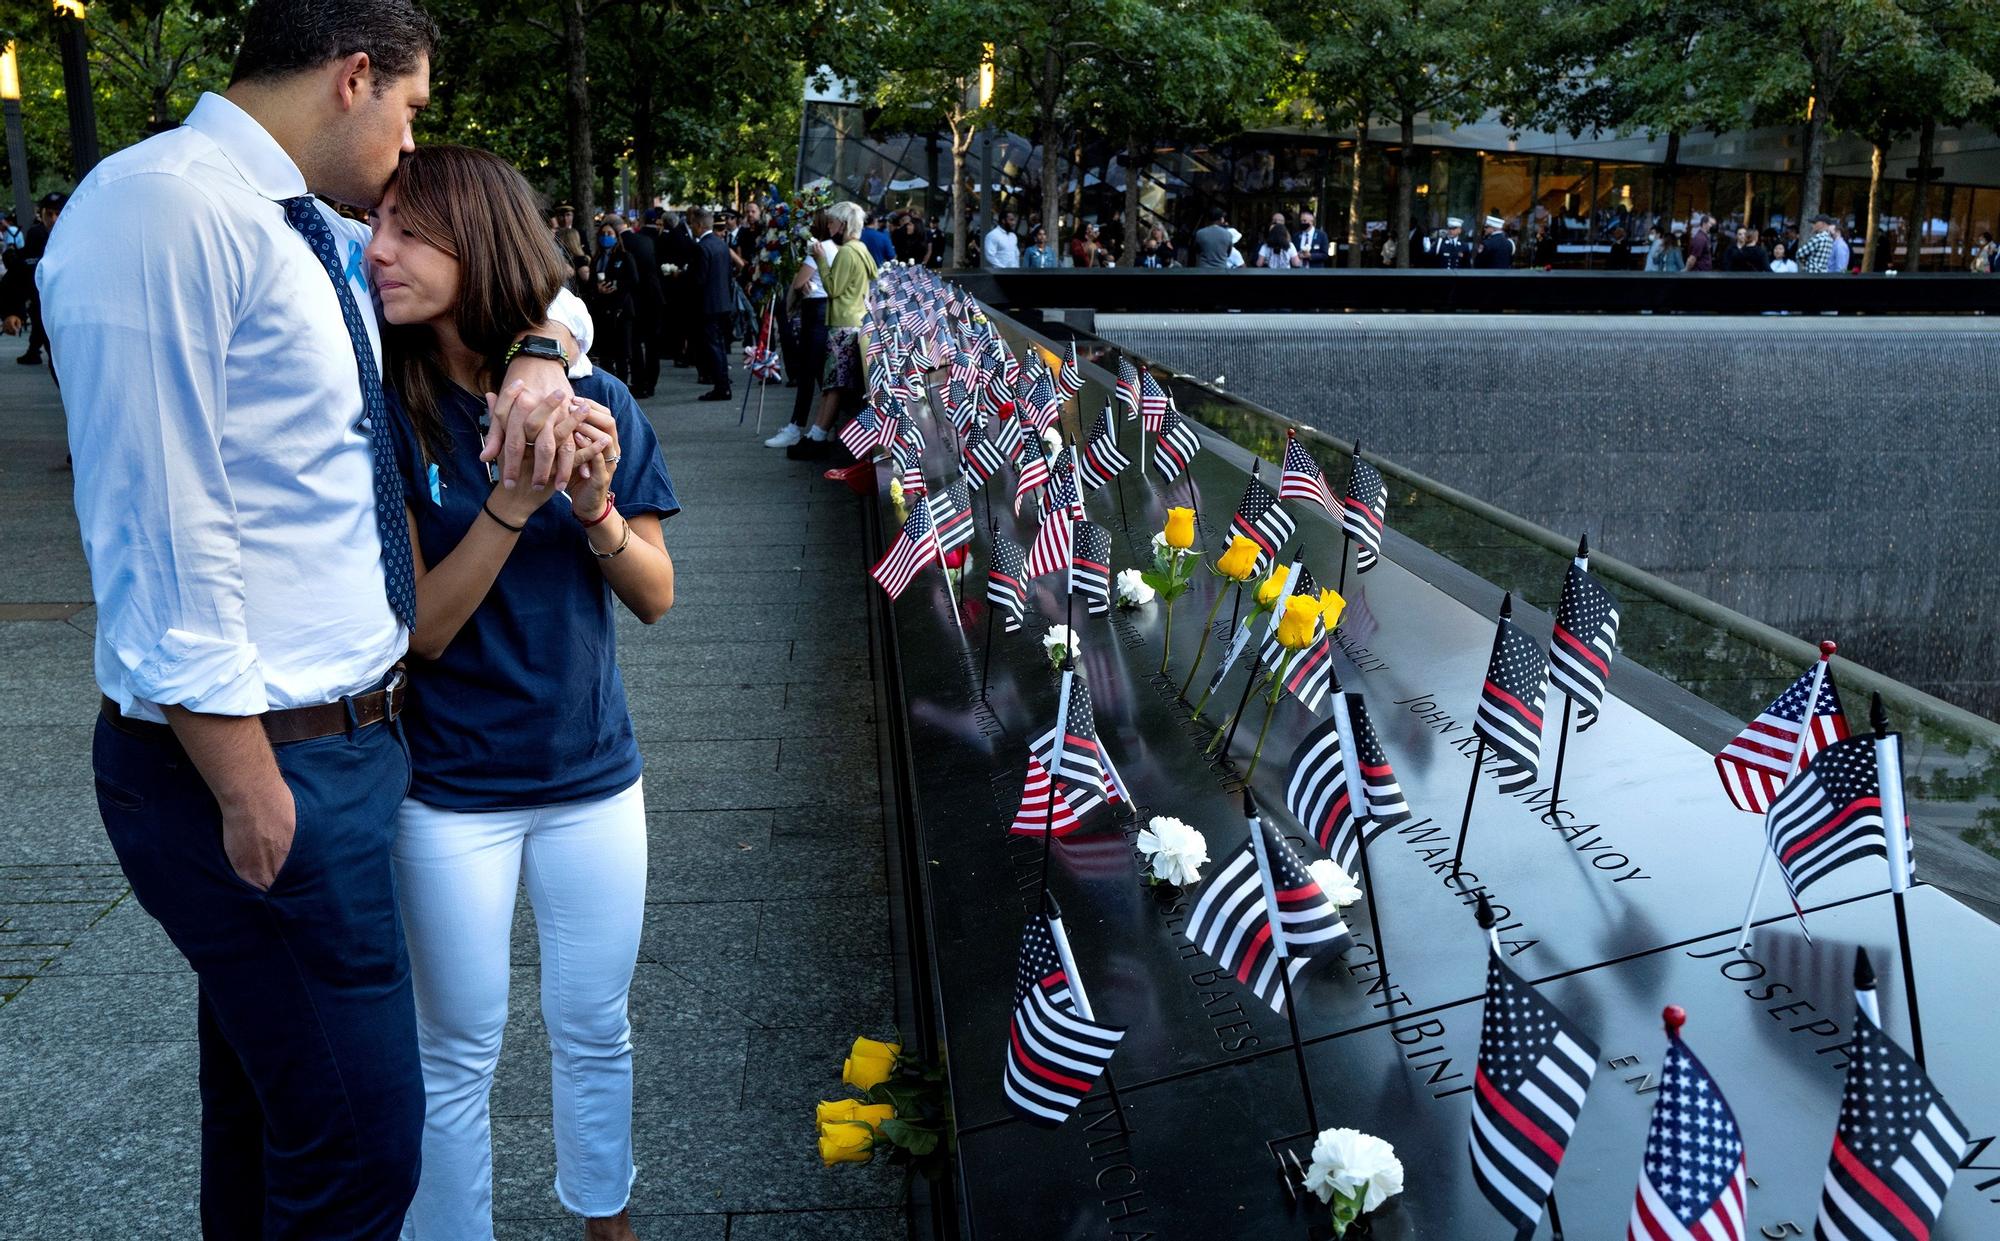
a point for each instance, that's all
(1270, 709)
(1167, 644)
(1207, 627)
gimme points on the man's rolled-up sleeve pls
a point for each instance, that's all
(141, 288)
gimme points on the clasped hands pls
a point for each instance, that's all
(546, 442)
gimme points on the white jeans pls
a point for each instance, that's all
(457, 873)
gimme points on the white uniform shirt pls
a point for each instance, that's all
(223, 478)
(1003, 249)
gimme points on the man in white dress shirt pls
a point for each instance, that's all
(1001, 247)
(250, 561)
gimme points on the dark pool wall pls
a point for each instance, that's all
(1835, 477)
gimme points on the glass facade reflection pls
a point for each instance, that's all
(1564, 211)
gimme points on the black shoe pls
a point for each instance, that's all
(717, 394)
(809, 450)
(29, 359)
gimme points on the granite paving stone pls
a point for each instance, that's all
(762, 952)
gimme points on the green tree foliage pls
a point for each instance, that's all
(1180, 71)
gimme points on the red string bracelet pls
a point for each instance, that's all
(610, 499)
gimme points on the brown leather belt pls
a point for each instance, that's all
(295, 723)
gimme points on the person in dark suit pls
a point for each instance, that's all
(1454, 251)
(611, 301)
(1496, 252)
(715, 276)
(683, 296)
(642, 247)
(1311, 240)
(33, 243)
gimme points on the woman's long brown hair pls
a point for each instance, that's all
(474, 206)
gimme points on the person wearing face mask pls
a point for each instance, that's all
(612, 279)
(526, 767)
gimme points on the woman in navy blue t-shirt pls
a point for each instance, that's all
(525, 763)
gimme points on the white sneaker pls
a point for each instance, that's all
(787, 436)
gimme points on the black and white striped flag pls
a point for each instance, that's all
(1056, 1049)
(1090, 566)
(1232, 923)
(1585, 638)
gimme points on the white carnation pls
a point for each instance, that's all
(1339, 886)
(1051, 442)
(1132, 589)
(1057, 643)
(1348, 1161)
(1175, 851)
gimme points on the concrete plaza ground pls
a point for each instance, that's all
(766, 942)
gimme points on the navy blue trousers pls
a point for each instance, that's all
(312, 1096)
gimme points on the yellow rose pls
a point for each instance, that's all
(1240, 561)
(869, 1063)
(873, 1114)
(1267, 590)
(844, 1143)
(1295, 628)
(1331, 605)
(1180, 528)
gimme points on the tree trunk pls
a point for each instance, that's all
(576, 113)
(1920, 210)
(1815, 162)
(1878, 156)
(1406, 189)
(1052, 190)
(1134, 161)
(642, 138)
(961, 146)
(1357, 237)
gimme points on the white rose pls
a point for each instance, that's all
(1348, 1161)
(1057, 643)
(1163, 555)
(1132, 589)
(1175, 851)
(1051, 442)
(1339, 886)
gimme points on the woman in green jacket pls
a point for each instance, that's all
(847, 280)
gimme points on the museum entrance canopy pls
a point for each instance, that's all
(1620, 898)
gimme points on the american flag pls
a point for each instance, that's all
(1006, 434)
(1039, 407)
(1007, 580)
(1127, 387)
(1041, 811)
(909, 463)
(1088, 777)
(1758, 761)
(1231, 919)
(992, 394)
(1328, 799)
(981, 457)
(868, 432)
(1056, 1051)
(1101, 459)
(1534, 1067)
(1261, 519)
(1032, 468)
(878, 338)
(1010, 368)
(959, 406)
(1894, 1150)
(908, 432)
(1510, 703)
(1152, 403)
(1363, 513)
(951, 514)
(1830, 814)
(1177, 446)
(964, 371)
(1585, 637)
(1090, 567)
(1062, 492)
(1069, 380)
(1303, 479)
(1694, 1177)
(1310, 674)
(1053, 542)
(915, 547)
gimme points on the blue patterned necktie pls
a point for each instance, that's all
(302, 213)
